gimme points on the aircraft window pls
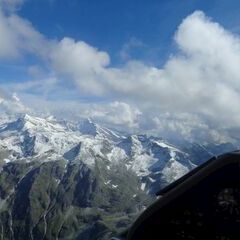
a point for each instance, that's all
(210, 209)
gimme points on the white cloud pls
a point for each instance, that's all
(8, 39)
(201, 80)
(80, 62)
(116, 114)
(19, 37)
(112, 114)
(11, 104)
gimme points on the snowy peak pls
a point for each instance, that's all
(30, 123)
(152, 158)
(48, 139)
(138, 144)
(88, 127)
(30, 136)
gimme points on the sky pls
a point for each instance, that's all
(146, 66)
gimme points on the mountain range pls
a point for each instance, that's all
(78, 180)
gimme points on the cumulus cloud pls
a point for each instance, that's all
(187, 126)
(81, 62)
(201, 80)
(116, 113)
(205, 75)
(11, 104)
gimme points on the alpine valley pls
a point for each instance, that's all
(79, 180)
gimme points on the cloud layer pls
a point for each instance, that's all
(200, 82)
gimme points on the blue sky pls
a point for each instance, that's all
(143, 28)
(110, 24)
(137, 64)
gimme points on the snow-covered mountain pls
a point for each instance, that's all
(73, 180)
(31, 138)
